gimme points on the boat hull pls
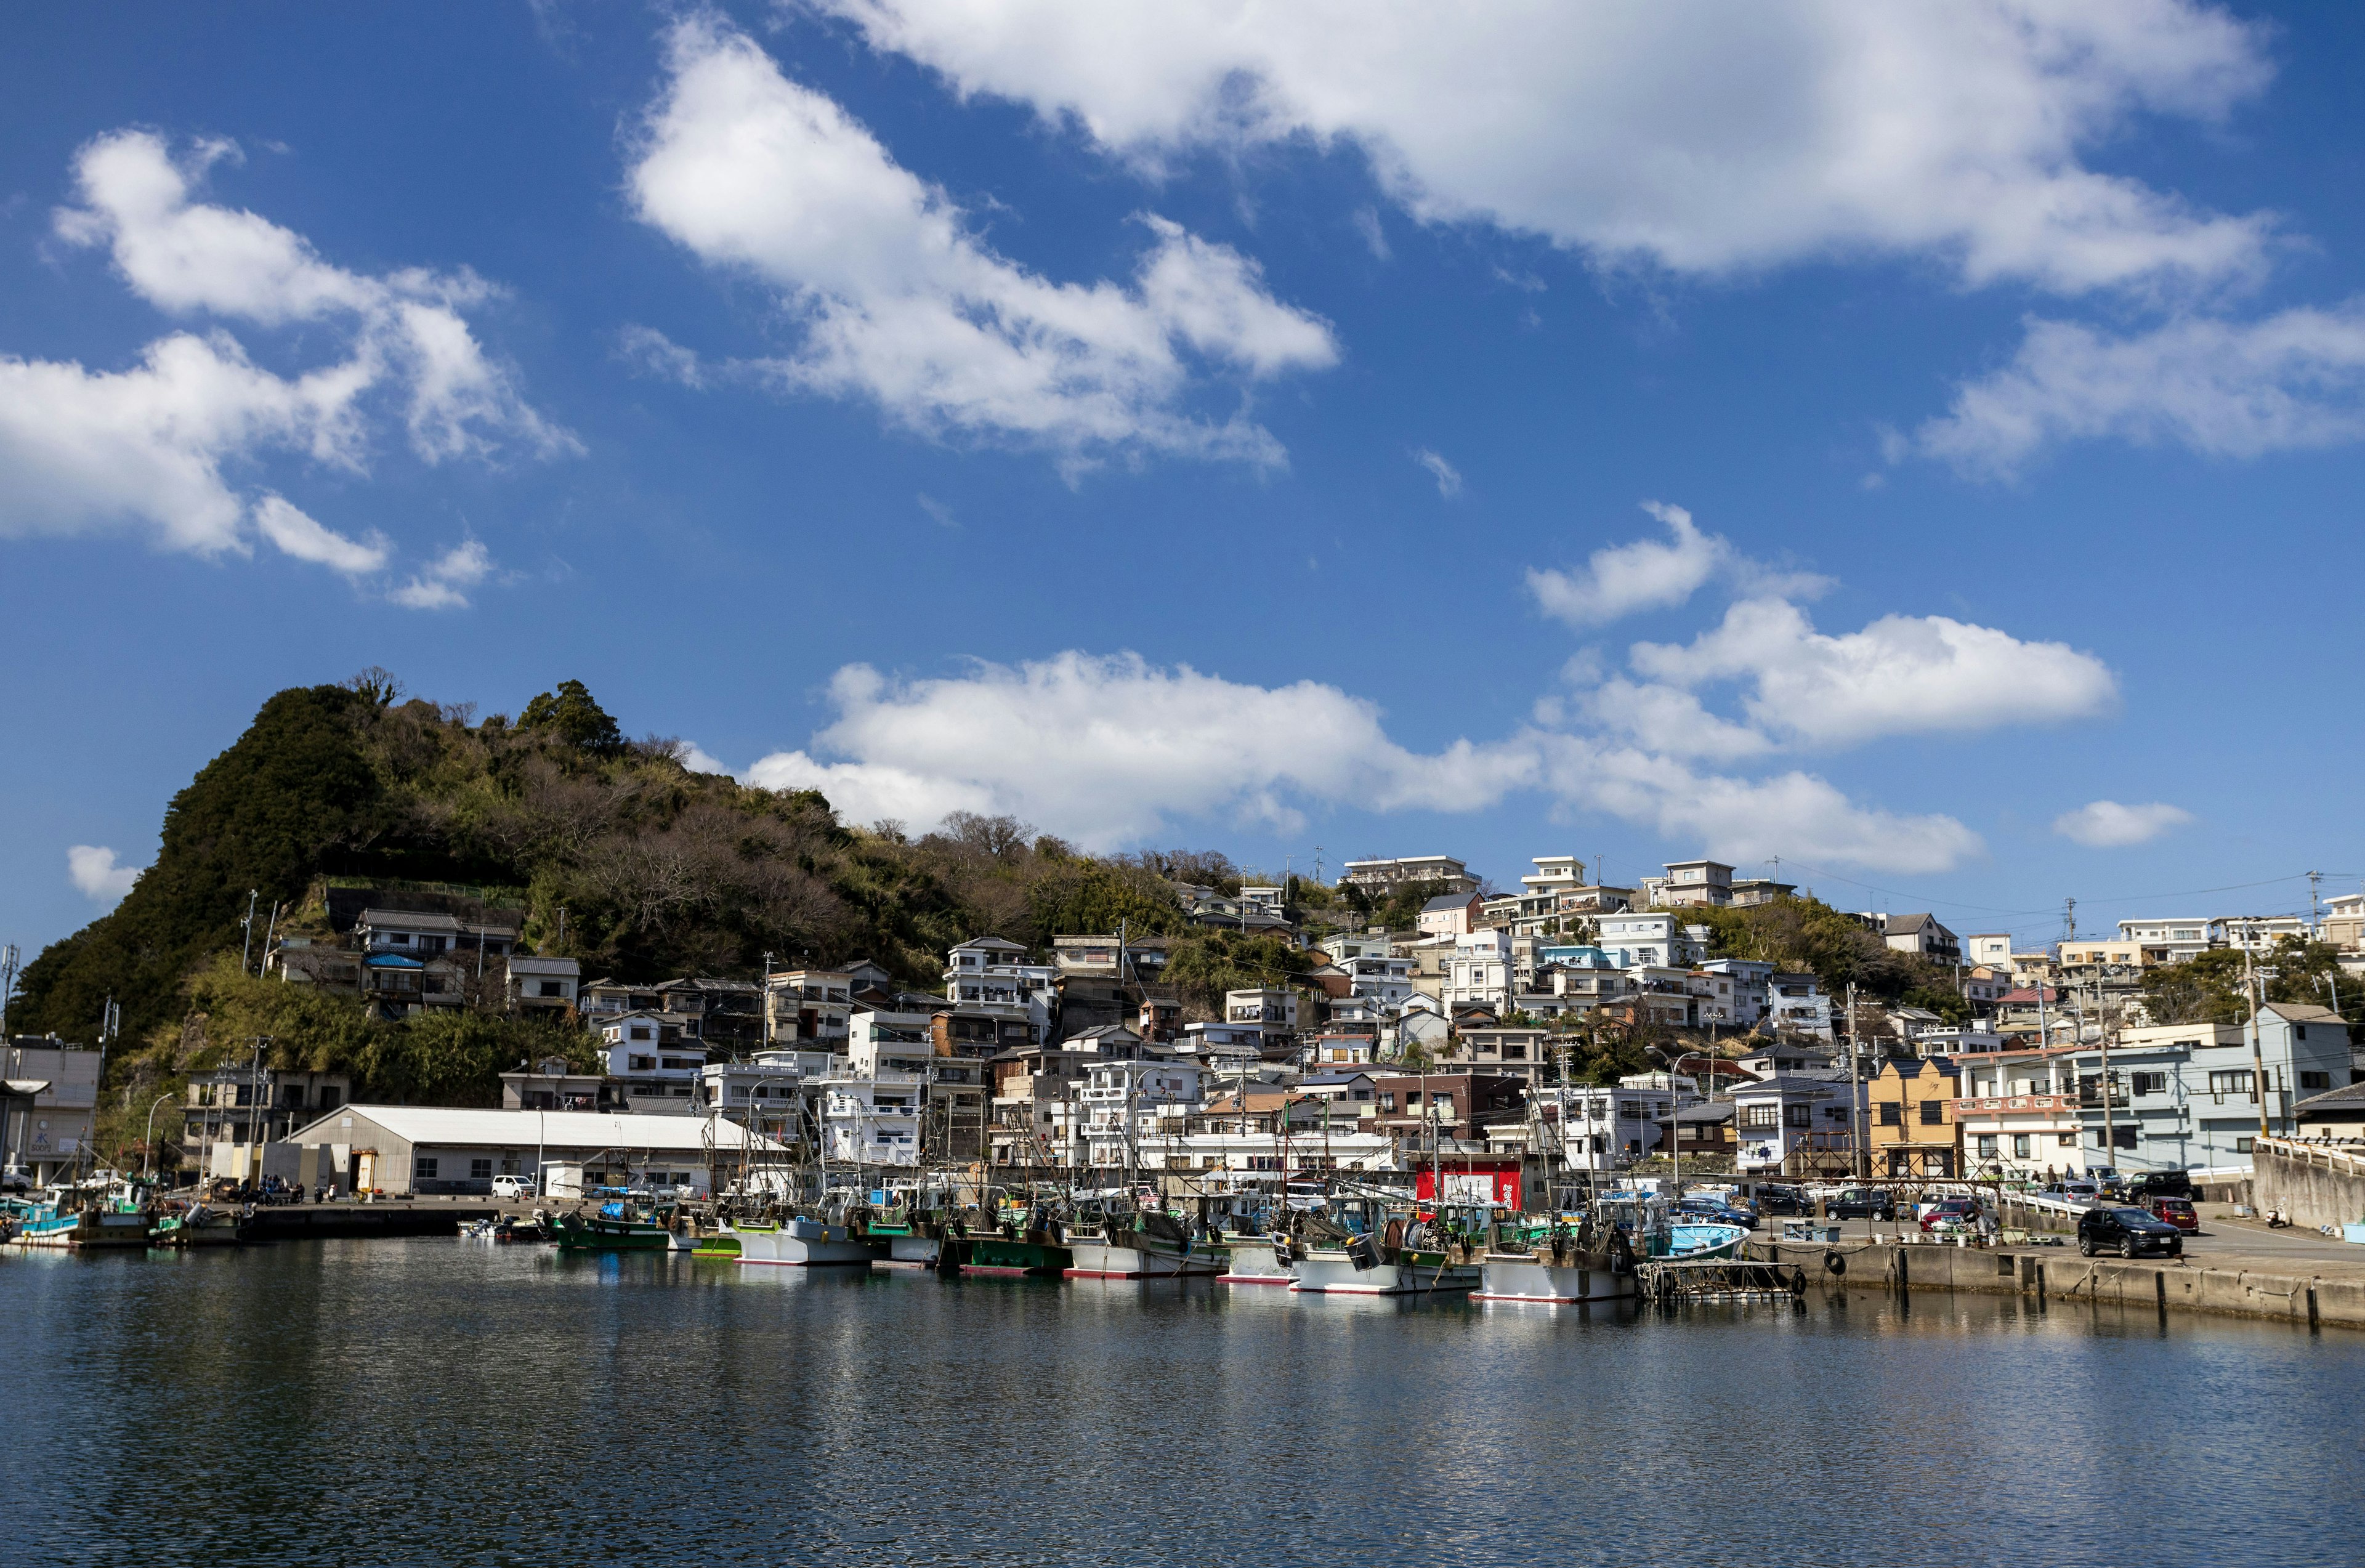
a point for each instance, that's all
(1033, 1260)
(1332, 1271)
(803, 1245)
(613, 1236)
(87, 1230)
(1698, 1243)
(1102, 1261)
(912, 1252)
(1255, 1264)
(1526, 1277)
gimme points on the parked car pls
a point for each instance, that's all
(2108, 1180)
(2129, 1232)
(1861, 1203)
(2178, 1212)
(1715, 1214)
(2161, 1184)
(1784, 1201)
(1950, 1211)
(514, 1186)
(2082, 1193)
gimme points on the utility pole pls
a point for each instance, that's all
(2257, 1056)
(1856, 1127)
(246, 950)
(2102, 1034)
(2314, 906)
(2069, 920)
(7, 986)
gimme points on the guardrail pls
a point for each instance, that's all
(2331, 1156)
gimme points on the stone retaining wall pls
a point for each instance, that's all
(2323, 1192)
(2058, 1274)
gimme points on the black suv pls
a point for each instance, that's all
(1861, 1203)
(2130, 1233)
(1783, 1201)
(2159, 1184)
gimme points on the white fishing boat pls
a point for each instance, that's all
(1566, 1276)
(908, 1251)
(804, 1244)
(1145, 1246)
(1358, 1270)
(1254, 1260)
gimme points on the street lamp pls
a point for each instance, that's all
(148, 1144)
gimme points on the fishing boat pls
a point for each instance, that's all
(1359, 1247)
(804, 1243)
(895, 1238)
(613, 1227)
(1152, 1246)
(722, 1241)
(1031, 1255)
(1560, 1266)
(200, 1224)
(107, 1212)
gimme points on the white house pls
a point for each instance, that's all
(1135, 1106)
(989, 974)
(808, 1008)
(1451, 915)
(658, 1071)
(871, 1120)
(1797, 1003)
(1791, 1111)
(1271, 1009)
(1752, 979)
(542, 985)
(1633, 940)
(1480, 972)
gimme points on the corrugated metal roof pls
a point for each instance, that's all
(556, 1129)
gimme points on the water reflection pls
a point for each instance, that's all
(436, 1401)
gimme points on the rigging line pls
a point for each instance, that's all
(1893, 892)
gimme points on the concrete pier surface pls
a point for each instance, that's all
(2235, 1267)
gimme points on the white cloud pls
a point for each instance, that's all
(1107, 751)
(84, 450)
(1902, 675)
(1646, 575)
(444, 583)
(1375, 238)
(651, 353)
(2225, 388)
(1744, 820)
(698, 760)
(900, 303)
(305, 539)
(93, 869)
(190, 257)
(163, 447)
(1698, 135)
(2106, 824)
(1448, 478)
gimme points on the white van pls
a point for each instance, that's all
(514, 1186)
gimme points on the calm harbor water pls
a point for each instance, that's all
(439, 1401)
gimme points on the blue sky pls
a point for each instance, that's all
(1213, 426)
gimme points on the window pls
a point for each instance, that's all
(2122, 1138)
(2243, 1146)
(2020, 1146)
(2316, 1081)
(2066, 1140)
(642, 1064)
(422, 1167)
(1797, 1115)
(1760, 1118)
(548, 988)
(1893, 1114)
(1933, 1113)
(329, 1098)
(2150, 1082)
(292, 1095)
(480, 1170)
(2230, 1080)
(1987, 1145)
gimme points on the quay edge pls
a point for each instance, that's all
(2061, 1277)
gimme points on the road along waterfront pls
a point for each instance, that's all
(432, 1400)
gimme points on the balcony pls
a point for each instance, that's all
(2002, 1103)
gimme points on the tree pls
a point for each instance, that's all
(570, 715)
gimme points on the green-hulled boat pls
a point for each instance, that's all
(613, 1230)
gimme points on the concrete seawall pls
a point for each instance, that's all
(2313, 1186)
(2050, 1275)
